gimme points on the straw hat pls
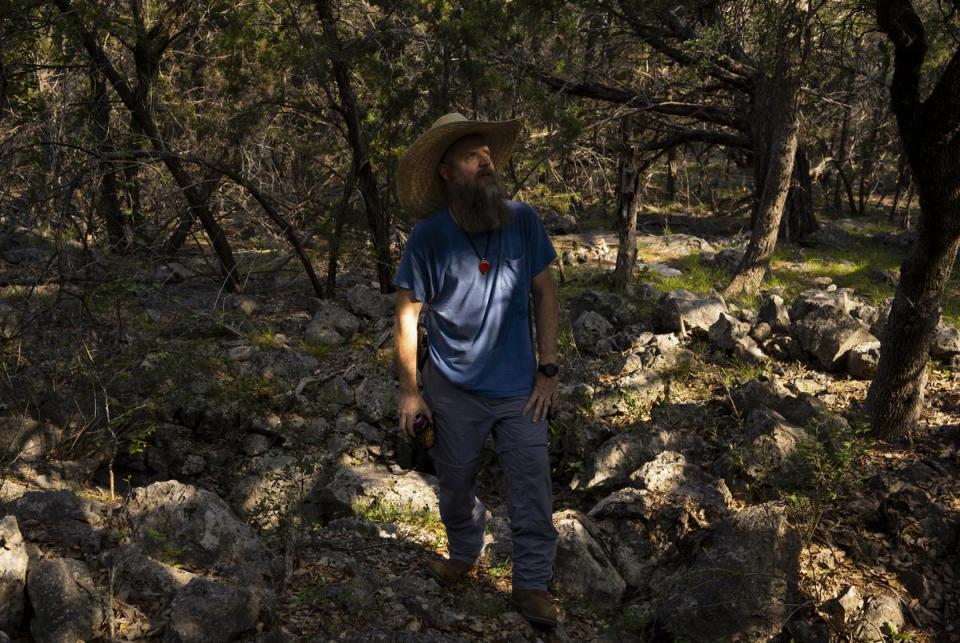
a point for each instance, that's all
(419, 185)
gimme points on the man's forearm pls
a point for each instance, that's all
(405, 333)
(547, 311)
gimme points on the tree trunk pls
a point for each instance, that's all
(799, 218)
(775, 124)
(376, 216)
(903, 178)
(340, 217)
(108, 201)
(628, 201)
(896, 394)
(930, 131)
(672, 174)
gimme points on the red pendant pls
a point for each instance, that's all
(484, 266)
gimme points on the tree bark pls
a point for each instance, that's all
(799, 219)
(628, 201)
(775, 131)
(108, 201)
(930, 131)
(367, 182)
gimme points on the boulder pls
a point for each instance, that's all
(205, 611)
(731, 335)
(353, 487)
(843, 608)
(13, 573)
(182, 524)
(139, 577)
(771, 450)
(60, 518)
(368, 302)
(682, 310)
(661, 269)
(761, 332)
(774, 312)
(862, 360)
(557, 223)
(376, 397)
(841, 301)
(772, 394)
(591, 332)
(946, 342)
(881, 617)
(670, 474)
(611, 306)
(828, 334)
(66, 604)
(23, 438)
(784, 348)
(614, 460)
(10, 320)
(582, 568)
(742, 585)
(333, 395)
(331, 325)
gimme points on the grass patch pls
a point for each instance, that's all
(423, 520)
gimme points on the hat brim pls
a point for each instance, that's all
(419, 186)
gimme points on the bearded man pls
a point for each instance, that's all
(474, 261)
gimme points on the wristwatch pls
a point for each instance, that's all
(550, 370)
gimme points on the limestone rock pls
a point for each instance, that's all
(670, 474)
(205, 611)
(773, 311)
(23, 438)
(557, 223)
(66, 604)
(772, 394)
(862, 360)
(732, 335)
(772, 447)
(582, 568)
(10, 320)
(742, 586)
(13, 573)
(353, 486)
(882, 616)
(61, 518)
(828, 334)
(946, 342)
(614, 460)
(140, 577)
(681, 309)
(840, 301)
(591, 332)
(611, 306)
(376, 397)
(331, 325)
(196, 527)
(368, 302)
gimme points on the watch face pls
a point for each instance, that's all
(550, 370)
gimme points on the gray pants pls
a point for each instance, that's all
(463, 421)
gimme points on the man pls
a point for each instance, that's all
(474, 261)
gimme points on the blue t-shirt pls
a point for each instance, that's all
(478, 324)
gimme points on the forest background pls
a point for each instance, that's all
(261, 137)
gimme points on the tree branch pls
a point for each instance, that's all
(903, 26)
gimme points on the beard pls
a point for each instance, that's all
(480, 206)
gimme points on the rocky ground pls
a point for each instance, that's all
(183, 465)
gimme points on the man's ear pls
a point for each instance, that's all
(444, 171)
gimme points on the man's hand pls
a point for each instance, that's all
(410, 405)
(542, 398)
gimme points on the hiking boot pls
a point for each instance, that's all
(536, 606)
(447, 572)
